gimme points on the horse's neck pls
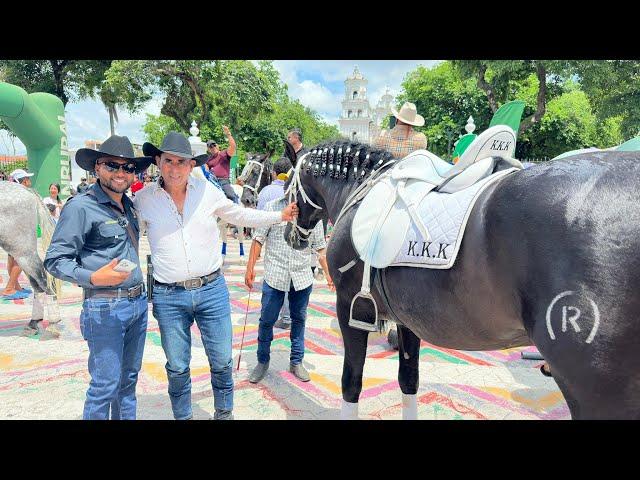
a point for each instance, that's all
(335, 193)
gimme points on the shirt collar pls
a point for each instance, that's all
(277, 182)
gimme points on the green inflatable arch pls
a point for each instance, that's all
(37, 119)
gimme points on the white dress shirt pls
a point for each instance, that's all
(188, 245)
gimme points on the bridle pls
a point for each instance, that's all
(246, 171)
(296, 186)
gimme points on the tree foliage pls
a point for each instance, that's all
(558, 117)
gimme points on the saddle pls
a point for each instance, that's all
(392, 204)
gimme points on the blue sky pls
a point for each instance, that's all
(318, 84)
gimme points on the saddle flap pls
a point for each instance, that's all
(380, 225)
(421, 165)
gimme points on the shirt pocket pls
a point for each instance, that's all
(112, 233)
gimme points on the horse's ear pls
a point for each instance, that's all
(290, 152)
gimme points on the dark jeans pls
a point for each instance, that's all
(228, 189)
(272, 300)
(115, 330)
(176, 309)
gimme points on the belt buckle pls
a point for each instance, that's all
(131, 291)
(193, 283)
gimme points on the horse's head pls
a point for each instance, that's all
(301, 188)
(255, 176)
(322, 181)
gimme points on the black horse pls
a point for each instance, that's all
(550, 257)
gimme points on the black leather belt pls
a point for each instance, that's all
(129, 293)
(192, 283)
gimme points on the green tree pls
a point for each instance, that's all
(157, 126)
(613, 87)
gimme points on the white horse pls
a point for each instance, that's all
(21, 210)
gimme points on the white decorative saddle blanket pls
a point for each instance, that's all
(412, 225)
(445, 216)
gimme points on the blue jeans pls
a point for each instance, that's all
(175, 309)
(272, 300)
(115, 330)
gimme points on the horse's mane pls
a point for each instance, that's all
(346, 160)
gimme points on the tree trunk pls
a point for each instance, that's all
(57, 66)
(486, 87)
(111, 119)
(541, 103)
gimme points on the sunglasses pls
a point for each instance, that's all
(114, 167)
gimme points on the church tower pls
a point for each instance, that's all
(354, 123)
(359, 121)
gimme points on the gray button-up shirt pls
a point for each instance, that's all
(88, 236)
(283, 264)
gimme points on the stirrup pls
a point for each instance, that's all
(359, 324)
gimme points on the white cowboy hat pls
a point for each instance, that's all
(408, 114)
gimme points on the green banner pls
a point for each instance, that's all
(462, 145)
(509, 114)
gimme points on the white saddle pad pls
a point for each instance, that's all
(445, 215)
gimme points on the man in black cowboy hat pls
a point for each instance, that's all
(180, 212)
(95, 244)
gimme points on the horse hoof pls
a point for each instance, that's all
(28, 331)
(50, 333)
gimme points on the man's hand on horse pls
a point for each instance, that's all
(290, 212)
(107, 276)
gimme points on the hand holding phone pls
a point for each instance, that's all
(125, 266)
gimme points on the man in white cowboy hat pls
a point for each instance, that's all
(95, 245)
(180, 212)
(402, 139)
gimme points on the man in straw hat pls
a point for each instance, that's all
(180, 212)
(95, 244)
(402, 139)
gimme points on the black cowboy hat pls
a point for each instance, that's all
(176, 144)
(114, 146)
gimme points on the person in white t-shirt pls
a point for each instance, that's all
(53, 201)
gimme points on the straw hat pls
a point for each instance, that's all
(408, 114)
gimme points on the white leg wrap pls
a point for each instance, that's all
(37, 312)
(53, 309)
(349, 411)
(409, 407)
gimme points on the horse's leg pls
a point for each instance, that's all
(42, 295)
(34, 270)
(355, 352)
(408, 375)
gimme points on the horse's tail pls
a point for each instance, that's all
(47, 227)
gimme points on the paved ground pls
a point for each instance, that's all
(45, 378)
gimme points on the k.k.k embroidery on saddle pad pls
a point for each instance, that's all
(445, 216)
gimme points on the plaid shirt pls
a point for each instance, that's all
(283, 264)
(398, 143)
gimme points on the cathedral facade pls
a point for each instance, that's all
(359, 121)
